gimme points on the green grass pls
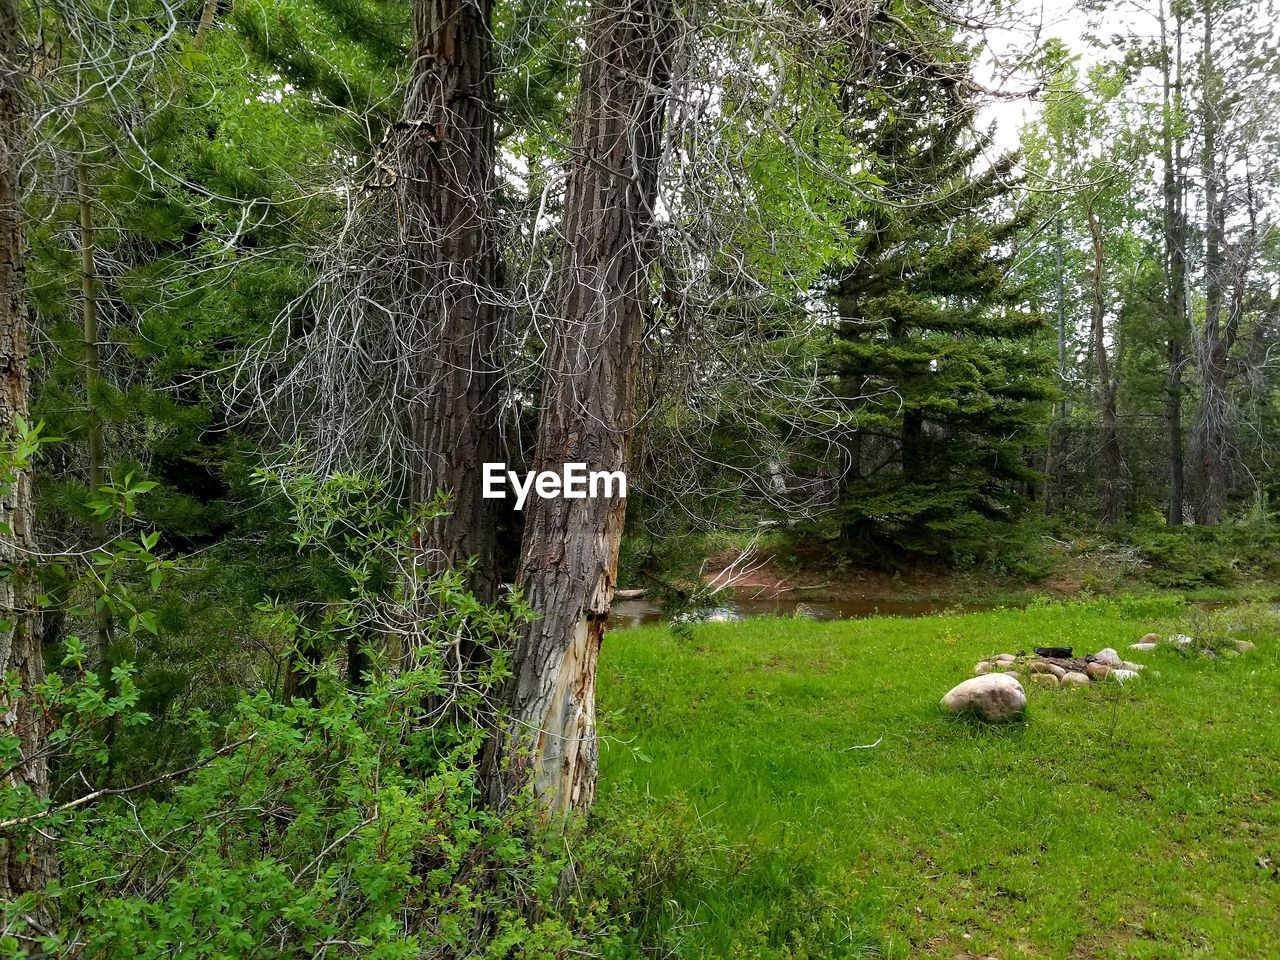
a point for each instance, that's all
(1139, 822)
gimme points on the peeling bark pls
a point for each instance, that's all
(570, 547)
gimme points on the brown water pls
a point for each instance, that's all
(636, 613)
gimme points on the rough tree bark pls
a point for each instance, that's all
(1111, 464)
(26, 861)
(446, 175)
(570, 547)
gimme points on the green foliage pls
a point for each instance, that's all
(944, 371)
(350, 815)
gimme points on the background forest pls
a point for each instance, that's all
(852, 288)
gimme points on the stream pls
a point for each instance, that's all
(637, 613)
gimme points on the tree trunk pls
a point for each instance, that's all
(1211, 352)
(92, 377)
(1175, 241)
(1111, 464)
(447, 177)
(26, 859)
(1055, 445)
(570, 549)
(1173, 428)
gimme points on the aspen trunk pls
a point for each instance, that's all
(1212, 350)
(26, 861)
(570, 548)
(446, 177)
(1111, 498)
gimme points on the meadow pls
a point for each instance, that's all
(838, 813)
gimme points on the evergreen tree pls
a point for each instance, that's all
(934, 346)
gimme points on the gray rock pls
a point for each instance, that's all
(981, 667)
(1006, 658)
(1108, 656)
(1244, 646)
(1075, 679)
(994, 698)
(1134, 667)
(1045, 680)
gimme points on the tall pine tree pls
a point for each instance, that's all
(934, 346)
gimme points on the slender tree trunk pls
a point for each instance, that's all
(1211, 351)
(1175, 240)
(92, 377)
(26, 859)
(1111, 463)
(570, 550)
(1173, 428)
(447, 179)
(1055, 457)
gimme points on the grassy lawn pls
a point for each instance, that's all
(1132, 822)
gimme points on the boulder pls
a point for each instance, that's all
(1243, 646)
(1075, 679)
(1097, 671)
(1045, 680)
(1123, 676)
(994, 698)
(1108, 656)
(1144, 646)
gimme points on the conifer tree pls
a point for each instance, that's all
(934, 343)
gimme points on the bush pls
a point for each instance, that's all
(346, 820)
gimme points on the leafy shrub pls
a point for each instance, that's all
(348, 820)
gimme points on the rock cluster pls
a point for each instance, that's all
(1054, 671)
(995, 692)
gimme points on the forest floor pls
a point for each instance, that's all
(848, 817)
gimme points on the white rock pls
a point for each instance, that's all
(1108, 656)
(1144, 647)
(994, 697)
(1075, 678)
(1181, 640)
(1130, 665)
(1123, 676)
